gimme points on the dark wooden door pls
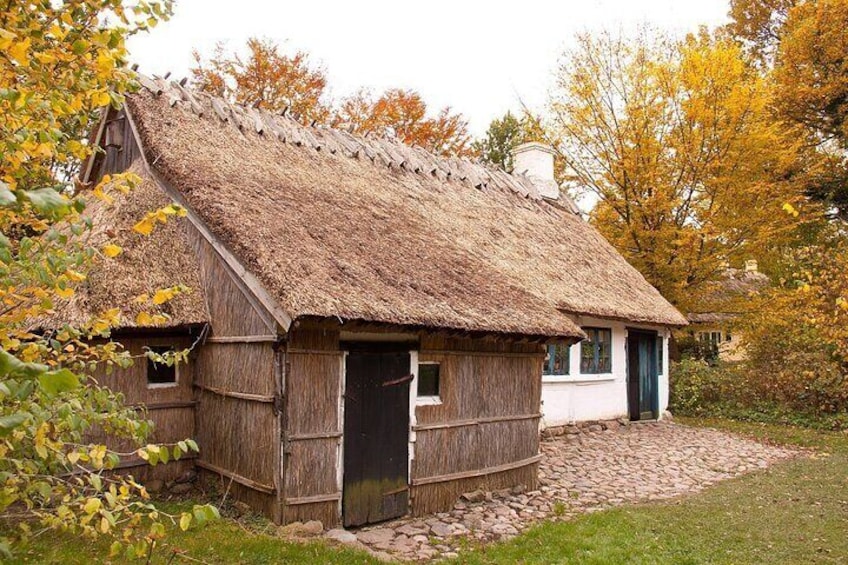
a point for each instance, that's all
(376, 435)
(642, 375)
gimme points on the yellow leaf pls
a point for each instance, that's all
(65, 293)
(92, 505)
(144, 227)
(185, 521)
(141, 298)
(100, 98)
(19, 51)
(143, 319)
(162, 296)
(74, 275)
(112, 250)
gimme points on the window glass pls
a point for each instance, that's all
(596, 351)
(557, 359)
(428, 379)
(161, 373)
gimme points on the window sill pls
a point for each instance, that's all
(161, 385)
(579, 378)
(428, 400)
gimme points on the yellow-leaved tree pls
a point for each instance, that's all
(59, 63)
(675, 142)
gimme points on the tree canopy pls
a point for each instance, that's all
(675, 140)
(270, 78)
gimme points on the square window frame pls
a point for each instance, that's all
(429, 399)
(596, 352)
(153, 386)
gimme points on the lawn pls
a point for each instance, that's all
(796, 512)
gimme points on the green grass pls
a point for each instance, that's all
(795, 512)
(223, 541)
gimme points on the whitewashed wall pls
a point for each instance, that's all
(574, 397)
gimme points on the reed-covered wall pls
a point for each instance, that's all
(170, 408)
(313, 426)
(238, 380)
(484, 433)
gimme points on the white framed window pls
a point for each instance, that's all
(161, 375)
(428, 383)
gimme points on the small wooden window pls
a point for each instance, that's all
(557, 360)
(596, 352)
(428, 380)
(161, 374)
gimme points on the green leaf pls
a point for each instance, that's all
(7, 197)
(14, 367)
(55, 382)
(12, 421)
(48, 202)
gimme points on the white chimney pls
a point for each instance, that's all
(751, 266)
(536, 160)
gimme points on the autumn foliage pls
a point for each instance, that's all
(270, 78)
(60, 63)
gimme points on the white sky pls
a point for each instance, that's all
(480, 58)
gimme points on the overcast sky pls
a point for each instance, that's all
(480, 58)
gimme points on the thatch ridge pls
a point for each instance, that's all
(336, 225)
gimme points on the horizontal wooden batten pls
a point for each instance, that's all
(333, 497)
(474, 422)
(296, 351)
(267, 489)
(243, 339)
(139, 462)
(316, 435)
(151, 406)
(235, 394)
(539, 355)
(476, 472)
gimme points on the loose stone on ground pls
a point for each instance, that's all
(581, 471)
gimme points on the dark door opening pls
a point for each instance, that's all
(642, 375)
(376, 435)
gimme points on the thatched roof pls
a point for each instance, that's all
(340, 226)
(147, 263)
(727, 297)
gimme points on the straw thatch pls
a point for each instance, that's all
(728, 297)
(335, 225)
(147, 263)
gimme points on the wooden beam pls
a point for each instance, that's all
(242, 339)
(250, 483)
(540, 355)
(315, 351)
(264, 303)
(151, 406)
(317, 435)
(236, 394)
(474, 422)
(476, 472)
(333, 497)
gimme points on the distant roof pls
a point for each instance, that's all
(726, 297)
(365, 228)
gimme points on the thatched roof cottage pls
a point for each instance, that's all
(370, 322)
(724, 302)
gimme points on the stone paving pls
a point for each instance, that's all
(584, 470)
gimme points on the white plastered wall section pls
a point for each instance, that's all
(576, 397)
